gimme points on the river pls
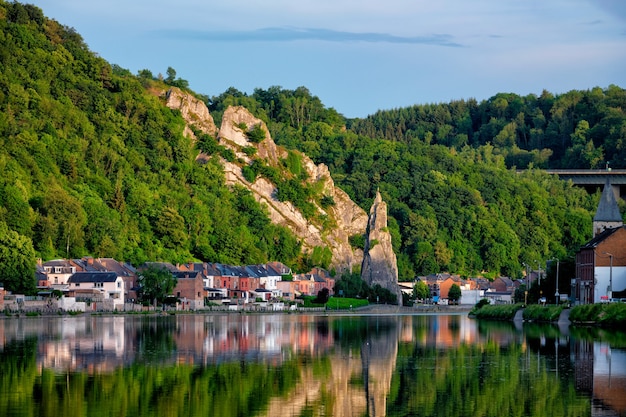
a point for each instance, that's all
(307, 365)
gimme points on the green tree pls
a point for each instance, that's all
(171, 75)
(454, 294)
(155, 284)
(17, 262)
(421, 290)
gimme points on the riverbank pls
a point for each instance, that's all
(368, 310)
(603, 315)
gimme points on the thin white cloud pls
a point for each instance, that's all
(286, 34)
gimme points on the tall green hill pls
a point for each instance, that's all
(93, 164)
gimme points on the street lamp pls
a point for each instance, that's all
(527, 285)
(609, 290)
(556, 294)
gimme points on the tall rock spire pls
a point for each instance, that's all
(379, 261)
(607, 215)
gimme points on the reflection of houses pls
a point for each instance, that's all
(600, 371)
(601, 262)
(105, 288)
(609, 377)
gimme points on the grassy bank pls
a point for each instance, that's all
(495, 312)
(336, 303)
(604, 315)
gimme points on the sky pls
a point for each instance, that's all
(360, 56)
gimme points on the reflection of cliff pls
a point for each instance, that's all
(358, 378)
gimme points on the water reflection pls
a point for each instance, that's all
(293, 365)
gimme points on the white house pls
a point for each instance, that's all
(106, 288)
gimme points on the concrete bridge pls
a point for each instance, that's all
(592, 179)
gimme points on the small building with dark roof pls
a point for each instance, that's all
(601, 262)
(98, 287)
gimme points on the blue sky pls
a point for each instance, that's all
(360, 56)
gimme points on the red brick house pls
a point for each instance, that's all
(189, 289)
(601, 267)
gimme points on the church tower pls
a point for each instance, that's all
(607, 215)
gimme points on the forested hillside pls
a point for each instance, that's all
(579, 129)
(94, 163)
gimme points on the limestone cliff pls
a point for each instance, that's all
(379, 261)
(193, 110)
(344, 217)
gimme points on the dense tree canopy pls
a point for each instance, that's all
(17, 269)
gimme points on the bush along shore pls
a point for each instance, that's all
(604, 315)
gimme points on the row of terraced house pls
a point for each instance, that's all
(107, 284)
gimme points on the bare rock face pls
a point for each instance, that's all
(345, 216)
(194, 111)
(379, 261)
(349, 218)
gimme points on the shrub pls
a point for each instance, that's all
(542, 313)
(480, 304)
(256, 134)
(248, 173)
(249, 150)
(228, 154)
(327, 201)
(357, 241)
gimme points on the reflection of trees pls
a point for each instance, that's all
(351, 332)
(229, 389)
(18, 373)
(486, 380)
(155, 339)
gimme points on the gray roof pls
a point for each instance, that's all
(80, 277)
(185, 274)
(593, 243)
(607, 211)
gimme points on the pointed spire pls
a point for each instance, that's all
(608, 210)
(607, 215)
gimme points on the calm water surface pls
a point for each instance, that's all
(307, 365)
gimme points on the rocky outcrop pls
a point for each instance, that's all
(349, 218)
(232, 134)
(345, 216)
(194, 111)
(379, 261)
